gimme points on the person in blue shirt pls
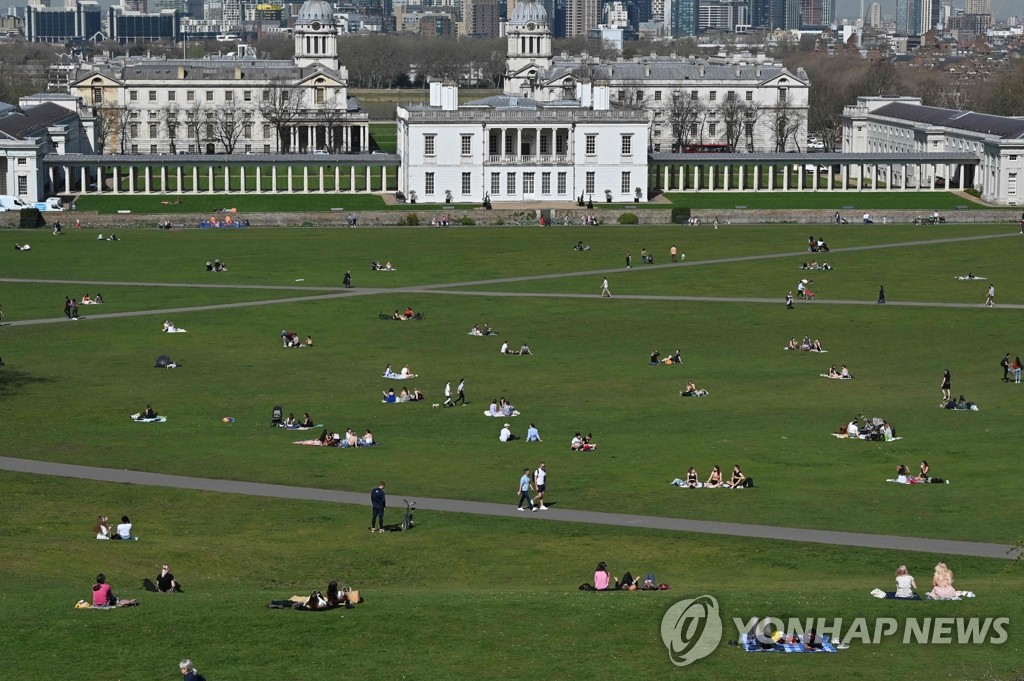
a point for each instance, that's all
(532, 435)
(379, 503)
(525, 486)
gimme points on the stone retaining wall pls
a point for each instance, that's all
(646, 216)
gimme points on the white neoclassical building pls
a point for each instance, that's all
(517, 149)
(513, 147)
(231, 104)
(900, 126)
(744, 103)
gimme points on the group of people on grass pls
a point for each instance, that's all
(502, 408)
(401, 375)
(524, 349)
(292, 423)
(170, 327)
(841, 373)
(693, 391)
(807, 345)
(816, 245)
(349, 439)
(905, 477)
(876, 429)
(484, 330)
(738, 480)
(216, 266)
(102, 529)
(290, 339)
(1011, 369)
(906, 587)
(404, 395)
(674, 358)
(604, 581)
(813, 265)
(405, 316)
(377, 267)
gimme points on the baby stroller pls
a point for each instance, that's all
(407, 522)
(275, 417)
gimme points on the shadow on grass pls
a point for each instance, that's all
(11, 380)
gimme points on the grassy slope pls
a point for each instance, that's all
(458, 596)
(464, 596)
(824, 200)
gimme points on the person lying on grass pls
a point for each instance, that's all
(675, 358)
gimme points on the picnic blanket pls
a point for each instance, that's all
(398, 377)
(502, 415)
(844, 436)
(963, 277)
(319, 425)
(155, 419)
(751, 645)
(820, 352)
(699, 393)
(837, 378)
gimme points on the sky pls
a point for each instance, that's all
(849, 9)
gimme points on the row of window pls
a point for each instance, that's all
(529, 183)
(730, 95)
(209, 148)
(466, 147)
(319, 95)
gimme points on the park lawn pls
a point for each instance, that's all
(768, 411)
(844, 202)
(211, 203)
(925, 273)
(384, 137)
(459, 595)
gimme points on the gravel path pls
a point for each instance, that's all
(942, 547)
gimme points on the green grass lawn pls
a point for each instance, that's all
(384, 137)
(250, 203)
(823, 200)
(465, 596)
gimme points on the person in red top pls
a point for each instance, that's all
(103, 596)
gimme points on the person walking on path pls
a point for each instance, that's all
(789, 300)
(379, 502)
(540, 477)
(945, 384)
(629, 260)
(448, 394)
(672, 252)
(74, 308)
(881, 295)
(990, 297)
(525, 486)
(67, 307)
(461, 397)
(605, 293)
(1005, 363)
(348, 279)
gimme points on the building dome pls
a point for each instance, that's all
(316, 11)
(528, 12)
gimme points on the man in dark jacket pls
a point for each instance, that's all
(379, 503)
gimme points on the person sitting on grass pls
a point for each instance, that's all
(409, 313)
(793, 345)
(833, 372)
(581, 444)
(505, 349)
(816, 346)
(692, 390)
(397, 316)
(103, 595)
(416, 395)
(715, 479)
(654, 358)
(475, 331)
(844, 372)
(603, 578)
(102, 528)
(148, 413)
(390, 397)
(124, 530)
(925, 474)
(326, 438)
(494, 410)
(942, 584)
(525, 350)
(905, 585)
(738, 480)
(367, 439)
(811, 641)
(404, 395)
(406, 373)
(209, 266)
(290, 422)
(165, 581)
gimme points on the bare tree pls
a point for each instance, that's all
(172, 125)
(684, 114)
(280, 105)
(882, 77)
(736, 114)
(785, 122)
(114, 127)
(228, 125)
(194, 115)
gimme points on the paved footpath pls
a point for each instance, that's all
(942, 547)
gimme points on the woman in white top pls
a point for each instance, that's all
(102, 528)
(905, 584)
